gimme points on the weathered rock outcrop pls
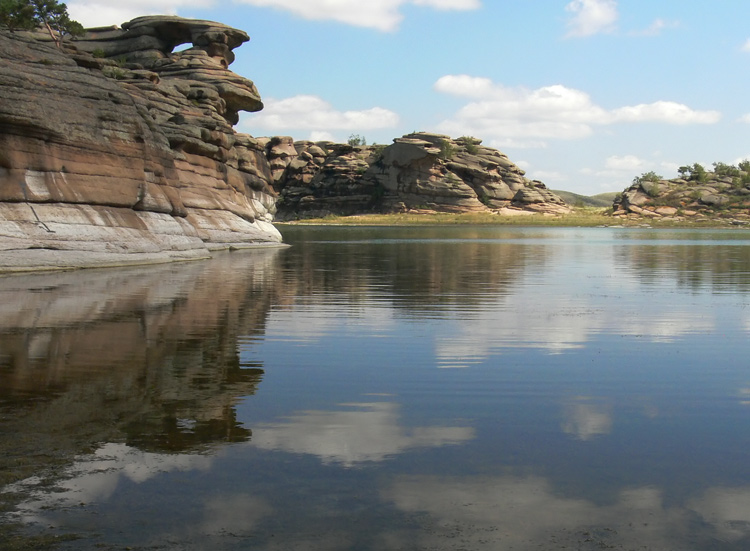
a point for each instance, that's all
(115, 150)
(724, 194)
(418, 171)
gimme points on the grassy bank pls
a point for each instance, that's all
(580, 217)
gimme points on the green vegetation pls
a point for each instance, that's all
(695, 173)
(447, 151)
(356, 140)
(471, 144)
(30, 14)
(723, 169)
(647, 177)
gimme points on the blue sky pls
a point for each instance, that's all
(582, 94)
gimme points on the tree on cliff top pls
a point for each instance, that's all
(29, 14)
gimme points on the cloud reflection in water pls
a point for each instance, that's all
(362, 432)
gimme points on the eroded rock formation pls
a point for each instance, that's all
(418, 171)
(117, 150)
(723, 194)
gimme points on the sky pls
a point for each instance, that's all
(584, 95)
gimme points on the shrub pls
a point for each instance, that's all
(647, 177)
(723, 169)
(698, 173)
(471, 144)
(355, 140)
(447, 150)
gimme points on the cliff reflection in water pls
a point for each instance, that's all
(588, 413)
(715, 260)
(147, 356)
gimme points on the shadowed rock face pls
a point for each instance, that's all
(115, 150)
(418, 171)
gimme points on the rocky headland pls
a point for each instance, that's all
(417, 172)
(114, 149)
(698, 194)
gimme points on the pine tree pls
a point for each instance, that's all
(29, 14)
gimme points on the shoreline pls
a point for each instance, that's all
(580, 217)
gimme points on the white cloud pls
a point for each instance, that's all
(527, 117)
(665, 111)
(627, 163)
(101, 13)
(746, 46)
(745, 118)
(656, 28)
(591, 17)
(308, 112)
(382, 15)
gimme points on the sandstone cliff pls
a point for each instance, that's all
(419, 171)
(699, 194)
(117, 150)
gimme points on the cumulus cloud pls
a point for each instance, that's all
(500, 113)
(307, 112)
(746, 46)
(100, 13)
(745, 118)
(382, 15)
(591, 17)
(628, 163)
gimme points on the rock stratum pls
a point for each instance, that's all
(419, 171)
(116, 150)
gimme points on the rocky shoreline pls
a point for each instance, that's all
(116, 149)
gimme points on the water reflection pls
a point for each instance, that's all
(145, 356)
(525, 512)
(584, 418)
(358, 433)
(291, 399)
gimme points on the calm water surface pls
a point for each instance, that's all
(398, 388)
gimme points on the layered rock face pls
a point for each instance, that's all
(419, 171)
(715, 195)
(115, 150)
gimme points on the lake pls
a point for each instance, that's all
(427, 388)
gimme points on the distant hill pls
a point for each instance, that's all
(575, 200)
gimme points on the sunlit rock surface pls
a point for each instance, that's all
(720, 194)
(115, 150)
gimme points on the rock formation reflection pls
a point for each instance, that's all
(144, 356)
